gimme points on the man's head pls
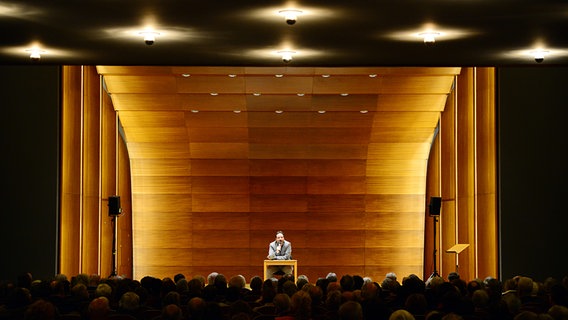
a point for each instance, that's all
(279, 236)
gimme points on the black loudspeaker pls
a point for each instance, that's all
(434, 207)
(114, 206)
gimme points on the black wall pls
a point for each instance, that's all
(29, 130)
(533, 143)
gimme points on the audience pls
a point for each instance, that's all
(352, 297)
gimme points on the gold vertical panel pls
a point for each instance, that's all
(71, 151)
(91, 171)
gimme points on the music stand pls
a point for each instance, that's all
(457, 248)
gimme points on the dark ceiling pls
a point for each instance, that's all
(248, 33)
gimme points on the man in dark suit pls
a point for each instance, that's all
(279, 249)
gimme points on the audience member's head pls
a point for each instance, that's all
(99, 308)
(401, 314)
(196, 308)
(41, 310)
(178, 276)
(129, 302)
(211, 278)
(331, 277)
(255, 283)
(171, 312)
(347, 283)
(301, 305)
(282, 304)
(103, 290)
(350, 310)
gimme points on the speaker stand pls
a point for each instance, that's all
(435, 273)
(114, 233)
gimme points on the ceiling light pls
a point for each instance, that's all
(35, 53)
(279, 111)
(286, 55)
(539, 55)
(290, 15)
(256, 94)
(195, 111)
(374, 75)
(321, 111)
(237, 111)
(300, 94)
(344, 94)
(232, 75)
(214, 94)
(278, 75)
(185, 75)
(429, 37)
(149, 36)
(325, 75)
(364, 111)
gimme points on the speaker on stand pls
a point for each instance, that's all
(114, 210)
(434, 212)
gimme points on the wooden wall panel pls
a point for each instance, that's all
(140, 84)
(204, 221)
(161, 167)
(159, 239)
(220, 185)
(160, 119)
(164, 203)
(166, 220)
(210, 84)
(230, 135)
(161, 185)
(411, 102)
(279, 85)
(217, 167)
(285, 102)
(337, 185)
(221, 203)
(157, 134)
(151, 150)
(394, 203)
(278, 185)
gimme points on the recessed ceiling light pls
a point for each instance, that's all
(364, 111)
(256, 94)
(278, 75)
(237, 111)
(374, 75)
(35, 53)
(214, 94)
(279, 111)
(539, 55)
(300, 94)
(232, 75)
(321, 111)
(149, 36)
(290, 15)
(429, 37)
(195, 111)
(344, 94)
(286, 55)
(325, 75)
(185, 75)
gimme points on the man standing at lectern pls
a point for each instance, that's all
(279, 249)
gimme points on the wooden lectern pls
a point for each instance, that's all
(457, 248)
(293, 263)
